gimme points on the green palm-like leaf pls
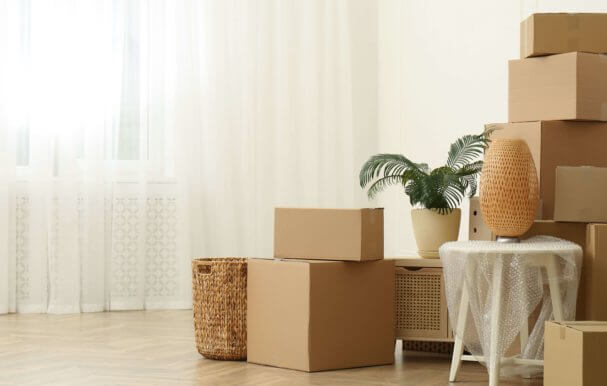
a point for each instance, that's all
(388, 165)
(382, 183)
(441, 189)
(465, 150)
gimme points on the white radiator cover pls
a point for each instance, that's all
(145, 263)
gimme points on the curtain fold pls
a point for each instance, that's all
(138, 135)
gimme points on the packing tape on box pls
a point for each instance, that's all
(573, 32)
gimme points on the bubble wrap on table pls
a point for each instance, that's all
(524, 287)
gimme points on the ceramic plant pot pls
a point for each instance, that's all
(432, 230)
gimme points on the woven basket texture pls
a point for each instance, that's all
(509, 192)
(220, 307)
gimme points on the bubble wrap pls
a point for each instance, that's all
(523, 284)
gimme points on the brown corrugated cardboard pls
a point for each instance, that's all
(580, 194)
(593, 285)
(558, 143)
(557, 33)
(314, 315)
(574, 353)
(565, 86)
(329, 234)
(572, 231)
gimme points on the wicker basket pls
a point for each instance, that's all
(220, 307)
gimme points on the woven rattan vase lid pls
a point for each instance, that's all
(509, 193)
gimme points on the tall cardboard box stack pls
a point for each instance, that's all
(326, 300)
(557, 103)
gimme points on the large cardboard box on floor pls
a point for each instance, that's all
(558, 143)
(565, 86)
(329, 234)
(580, 194)
(557, 33)
(314, 315)
(574, 353)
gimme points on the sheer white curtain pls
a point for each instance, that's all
(277, 97)
(135, 135)
(91, 201)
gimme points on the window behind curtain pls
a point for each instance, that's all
(128, 125)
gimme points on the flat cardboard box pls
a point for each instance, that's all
(329, 234)
(580, 194)
(574, 353)
(574, 232)
(314, 315)
(557, 33)
(593, 285)
(558, 143)
(570, 86)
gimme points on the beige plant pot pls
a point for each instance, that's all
(432, 230)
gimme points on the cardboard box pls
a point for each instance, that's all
(593, 286)
(574, 353)
(329, 234)
(558, 143)
(580, 194)
(565, 86)
(557, 33)
(572, 231)
(477, 229)
(316, 315)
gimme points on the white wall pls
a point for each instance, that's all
(442, 74)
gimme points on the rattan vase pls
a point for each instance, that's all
(220, 307)
(509, 192)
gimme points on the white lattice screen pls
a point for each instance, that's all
(145, 265)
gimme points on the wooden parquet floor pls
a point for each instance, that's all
(157, 348)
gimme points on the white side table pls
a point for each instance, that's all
(499, 285)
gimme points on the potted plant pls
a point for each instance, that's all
(435, 194)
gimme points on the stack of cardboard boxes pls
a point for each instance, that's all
(326, 300)
(557, 103)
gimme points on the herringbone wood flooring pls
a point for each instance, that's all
(157, 348)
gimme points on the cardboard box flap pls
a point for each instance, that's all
(583, 325)
(307, 261)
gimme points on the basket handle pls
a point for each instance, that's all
(201, 270)
(204, 269)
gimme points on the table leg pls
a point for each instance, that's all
(460, 328)
(555, 289)
(496, 304)
(524, 333)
